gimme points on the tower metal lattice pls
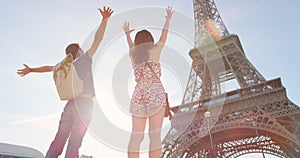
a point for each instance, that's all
(256, 118)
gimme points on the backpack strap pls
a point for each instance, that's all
(86, 77)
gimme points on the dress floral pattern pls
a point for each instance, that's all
(149, 91)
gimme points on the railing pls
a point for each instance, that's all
(249, 91)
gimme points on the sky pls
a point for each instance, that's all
(37, 32)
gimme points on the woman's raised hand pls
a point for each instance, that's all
(170, 12)
(126, 28)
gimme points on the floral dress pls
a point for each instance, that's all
(149, 91)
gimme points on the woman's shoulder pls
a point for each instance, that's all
(156, 48)
(155, 52)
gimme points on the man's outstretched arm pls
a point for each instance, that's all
(27, 70)
(106, 13)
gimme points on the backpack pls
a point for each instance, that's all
(67, 82)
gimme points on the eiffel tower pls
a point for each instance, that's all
(257, 117)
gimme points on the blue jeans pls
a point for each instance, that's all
(73, 125)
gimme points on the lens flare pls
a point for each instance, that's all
(212, 28)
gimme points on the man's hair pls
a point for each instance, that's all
(73, 49)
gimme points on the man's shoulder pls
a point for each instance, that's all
(84, 58)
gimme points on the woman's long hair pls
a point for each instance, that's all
(143, 42)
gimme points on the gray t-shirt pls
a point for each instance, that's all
(83, 66)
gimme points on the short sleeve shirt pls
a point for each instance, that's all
(83, 66)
